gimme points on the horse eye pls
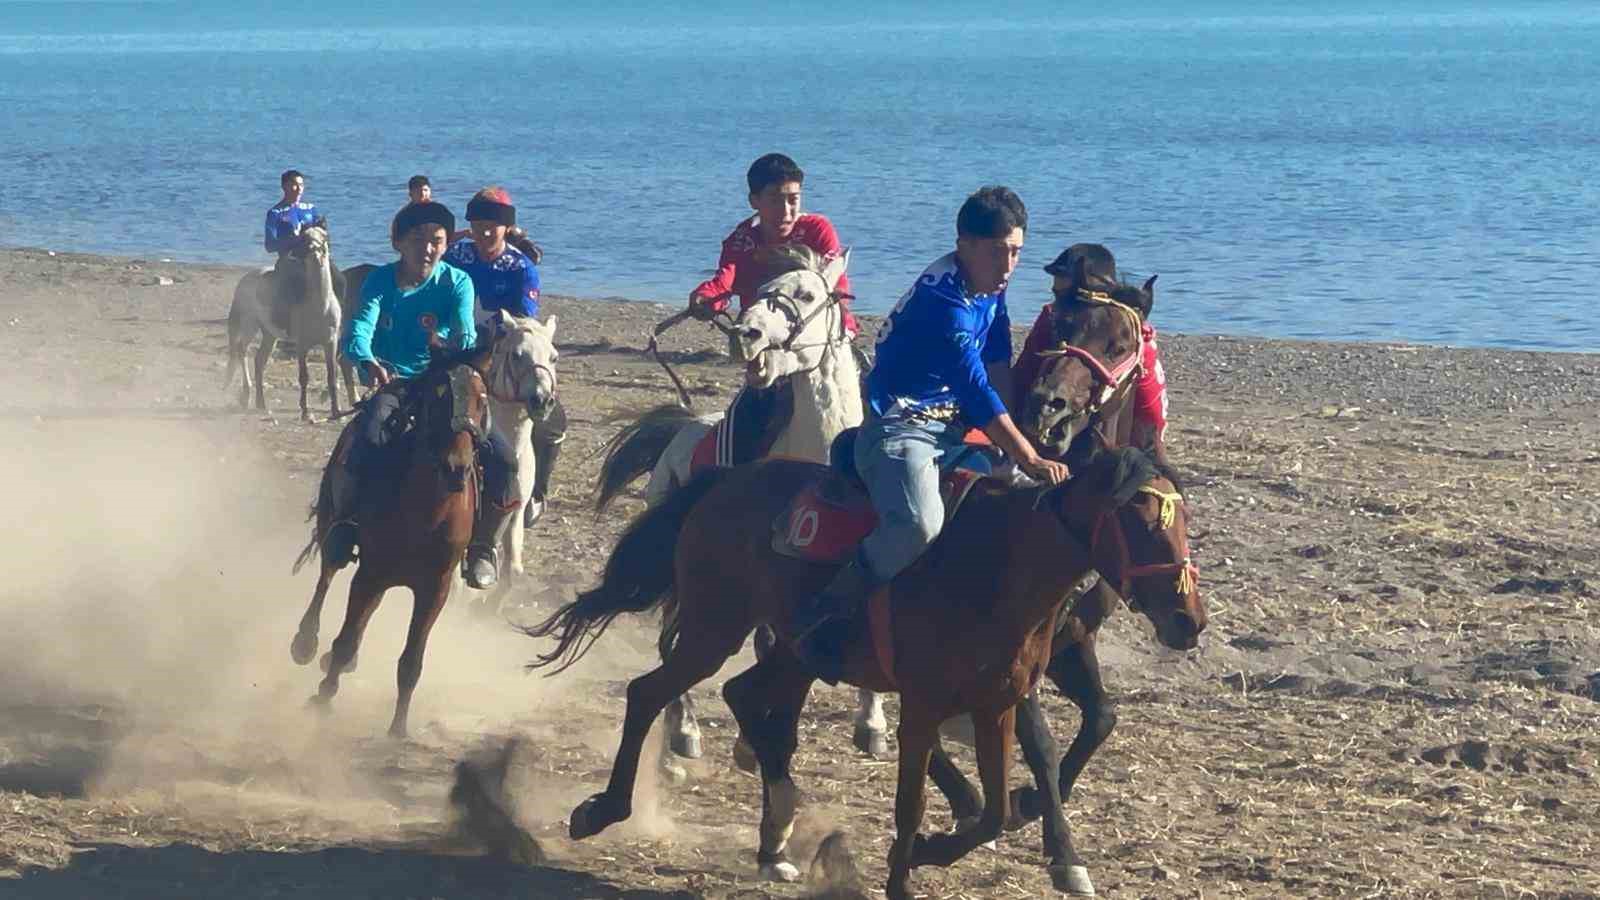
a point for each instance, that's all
(1057, 404)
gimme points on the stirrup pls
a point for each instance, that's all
(339, 543)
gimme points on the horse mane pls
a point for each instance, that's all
(781, 259)
(1118, 474)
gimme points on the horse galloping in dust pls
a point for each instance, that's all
(311, 319)
(794, 330)
(415, 533)
(966, 629)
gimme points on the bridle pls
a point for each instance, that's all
(1114, 379)
(504, 331)
(1186, 574)
(789, 308)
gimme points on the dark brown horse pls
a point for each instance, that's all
(415, 521)
(1081, 399)
(973, 622)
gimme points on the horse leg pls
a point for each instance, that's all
(349, 381)
(1040, 750)
(992, 734)
(1076, 673)
(918, 732)
(766, 699)
(304, 645)
(965, 804)
(429, 601)
(697, 655)
(301, 353)
(263, 354)
(872, 726)
(332, 365)
(681, 730)
(365, 593)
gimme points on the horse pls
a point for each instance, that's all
(311, 319)
(1079, 402)
(522, 387)
(795, 329)
(972, 623)
(415, 533)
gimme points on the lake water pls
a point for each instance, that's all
(1415, 172)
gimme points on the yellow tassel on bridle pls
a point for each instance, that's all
(1169, 504)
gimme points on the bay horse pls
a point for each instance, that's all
(309, 320)
(973, 621)
(1080, 400)
(794, 330)
(416, 515)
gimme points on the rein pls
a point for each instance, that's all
(1113, 378)
(1186, 572)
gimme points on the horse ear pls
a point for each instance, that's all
(550, 323)
(1149, 294)
(833, 269)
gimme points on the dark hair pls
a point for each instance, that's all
(774, 168)
(418, 181)
(991, 212)
(289, 175)
(431, 212)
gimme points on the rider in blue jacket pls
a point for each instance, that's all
(942, 368)
(507, 280)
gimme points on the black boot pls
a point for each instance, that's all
(545, 454)
(823, 624)
(481, 568)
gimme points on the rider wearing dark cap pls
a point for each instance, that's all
(406, 307)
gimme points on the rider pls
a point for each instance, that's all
(1092, 268)
(506, 280)
(420, 189)
(285, 221)
(943, 359)
(775, 183)
(405, 307)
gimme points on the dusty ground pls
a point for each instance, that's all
(1397, 696)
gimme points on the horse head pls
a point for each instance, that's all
(522, 363)
(1136, 522)
(314, 244)
(450, 405)
(1099, 342)
(796, 317)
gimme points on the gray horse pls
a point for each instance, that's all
(309, 318)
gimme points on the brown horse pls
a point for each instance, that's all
(1080, 400)
(414, 528)
(973, 623)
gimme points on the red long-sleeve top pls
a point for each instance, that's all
(1150, 393)
(737, 273)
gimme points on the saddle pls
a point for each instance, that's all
(828, 518)
(749, 430)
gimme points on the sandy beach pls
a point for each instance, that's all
(1398, 695)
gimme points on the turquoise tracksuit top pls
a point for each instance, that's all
(392, 326)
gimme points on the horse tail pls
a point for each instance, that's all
(638, 576)
(636, 449)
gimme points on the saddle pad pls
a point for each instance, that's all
(705, 451)
(827, 519)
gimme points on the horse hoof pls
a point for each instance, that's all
(320, 703)
(686, 745)
(303, 648)
(587, 820)
(871, 741)
(782, 871)
(1072, 880)
(744, 756)
(398, 732)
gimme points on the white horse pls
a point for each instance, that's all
(795, 329)
(309, 320)
(522, 384)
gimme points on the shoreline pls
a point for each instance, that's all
(1019, 313)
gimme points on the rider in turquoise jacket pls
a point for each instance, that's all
(405, 307)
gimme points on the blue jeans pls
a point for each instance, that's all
(899, 461)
